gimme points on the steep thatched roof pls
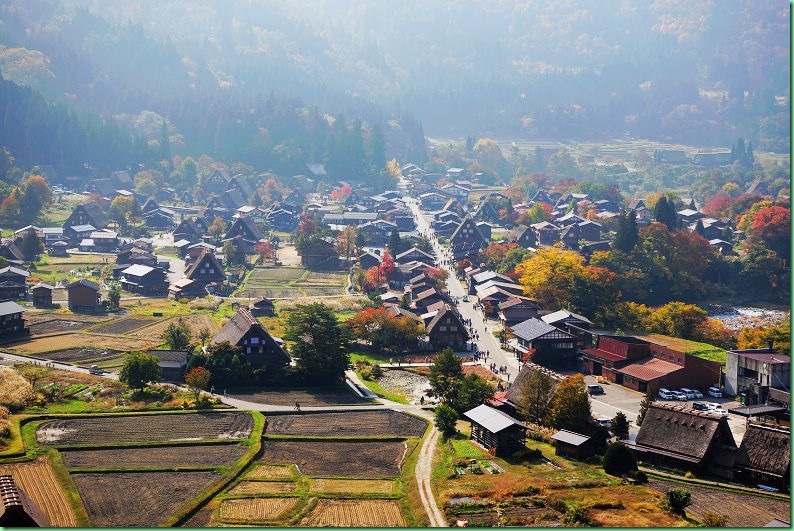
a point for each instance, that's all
(685, 433)
(765, 449)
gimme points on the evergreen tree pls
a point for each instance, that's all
(30, 245)
(647, 401)
(319, 342)
(619, 460)
(627, 235)
(664, 212)
(395, 243)
(699, 228)
(376, 150)
(445, 375)
(619, 426)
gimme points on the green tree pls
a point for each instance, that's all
(177, 335)
(536, 392)
(445, 375)
(619, 426)
(664, 212)
(473, 391)
(139, 369)
(30, 245)
(319, 342)
(204, 335)
(644, 404)
(446, 417)
(114, 297)
(676, 500)
(627, 235)
(570, 405)
(619, 460)
(197, 379)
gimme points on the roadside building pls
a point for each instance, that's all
(258, 346)
(172, 363)
(499, 433)
(544, 344)
(42, 295)
(84, 296)
(751, 373)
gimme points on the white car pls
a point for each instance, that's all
(716, 408)
(716, 392)
(664, 394)
(678, 395)
(691, 393)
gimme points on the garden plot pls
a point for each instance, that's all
(121, 326)
(264, 472)
(351, 486)
(195, 455)
(146, 428)
(38, 480)
(330, 458)
(56, 325)
(291, 282)
(306, 397)
(359, 423)
(262, 487)
(138, 499)
(354, 513)
(78, 355)
(255, 509)
(195, 323)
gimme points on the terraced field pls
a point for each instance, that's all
(121, 326)
(329, 458)
(194, 455)
(360, 423)
(354, 513)
(37, 479)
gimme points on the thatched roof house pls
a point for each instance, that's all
(690, 440)
(765, 456)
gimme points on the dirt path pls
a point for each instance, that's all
(424, 469)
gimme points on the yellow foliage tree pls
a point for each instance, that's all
(548, 275)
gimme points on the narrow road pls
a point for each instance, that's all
(424, 470)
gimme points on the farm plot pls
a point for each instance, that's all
(354, 513)
(262, 487)
(269, 472)
(146, 428)
(80, 340)
(195, 455)
(255, 509)
(77, 355)
(358, 423)
(121, 326)
(306, 397)
(743, 510)
(194, 322)
(291, 282)
(38, 480)
(137, 499)
(328, 458)
(56, 325)
(351, 486)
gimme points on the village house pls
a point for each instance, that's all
(87, 214)
(496, 431)
(206, 269)
(523, 236)
(517, 309)
(544, 344)
(369, 259)
(216, 181)
(546, 233)
(414, 254)
(17, 509)
(13, 284)
(172, 363)
(446, 329)
(42, 295)
(764, 457)
(687, 440)
(12, 324)
(258, 346)
(84, 296)
(751, 373)
(145, 280)
(188, 229)
(573, 323)
(262, 307)
(247, 231)
(572, 445)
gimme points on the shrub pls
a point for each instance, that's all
(676, 500)
(578, 514)
(714, 520)
(210, 302)
(377, 371)
(638, 476)
(446, 417)
(366, 373)
(618, 460)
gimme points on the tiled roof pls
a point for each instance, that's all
(650, 369)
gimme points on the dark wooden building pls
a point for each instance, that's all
(13, 286)
(262, 308)
(145, 280)
(446, 329)
(172, 363)
(764, 456)
(84, 296)
(573, 445)
(12, 324)
(499, 433)
(687, 440)
(544, 344)
(42, 295)
(245, 332)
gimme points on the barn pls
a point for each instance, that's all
(495, 430)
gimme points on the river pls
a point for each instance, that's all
(740, 317)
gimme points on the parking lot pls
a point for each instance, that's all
(618, 398)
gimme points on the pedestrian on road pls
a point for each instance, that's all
(212, 390)
(224, 393)
(297, 406)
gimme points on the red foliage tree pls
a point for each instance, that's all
(771, 227)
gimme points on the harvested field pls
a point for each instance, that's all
(81, 340)
(195, 455)
(202, 518)
(352, 486)
(76, 355)
(385, 423)
(56, 325)
(269, 472)
(354, 513)
(275, 275)
(743, 510)
(306, 397)
(38, 480)
(256, 509)
(263, 487)
(146, 428)
(327, 458)
(121, 326)
(137, 499)
(194, 322)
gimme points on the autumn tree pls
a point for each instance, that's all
(264, 250)
(385, 331)
(217, 228)
(319, 342)
(495, 253)
(771, 226)
(197, 380)
(139, 369)
(122, 209)
(36, 194)
(570, 405)
(346, 242)
(779, 333)
(536, 392)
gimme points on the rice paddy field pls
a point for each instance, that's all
(290, 282)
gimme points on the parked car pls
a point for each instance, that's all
(716, 408)
(716, 392)
(678, 395)
(595, 389)
(94, 369)
(700, 406)
(665, 394)
(690, 394)
(698, 394)
(605, 422)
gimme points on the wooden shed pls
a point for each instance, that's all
(495, 430)
(573, 445)
(42, 295)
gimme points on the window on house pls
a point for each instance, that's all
(443, 328)
(453, 328)
(254, 340)
(679, 360)
(671, 357)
